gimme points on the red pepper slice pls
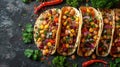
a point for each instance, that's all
(87, 63)
(47, 4)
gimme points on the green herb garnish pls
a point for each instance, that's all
(28, 53)
(73, 3)
(115, 63)
(27, 34)
(103, 3)
(88, 36)
(32, 54)
(117, 60)
(59, 61)
(75, 65)
(93, 26)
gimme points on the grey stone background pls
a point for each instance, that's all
(12, 14)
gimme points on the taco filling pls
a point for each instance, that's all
(69, 30)
(90, 31)
(107, 33)
(115, 50)
(46, 29)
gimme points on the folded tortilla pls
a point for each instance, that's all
(47, 31)
(115, 49)
(90, 31)
(106, 39)
(70, 27)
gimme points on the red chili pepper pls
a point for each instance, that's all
(47, 4)
(87, 63)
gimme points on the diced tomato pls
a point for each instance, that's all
(100, 48)
(62, 34)
(117, 44)
(84, 10)
(63, 46)
(90, 9)
(84, 30)
(93, 13)
(96, 21)
(52, 41)
(95, 28)
(113, 50)
(41, 46)
(56, 20)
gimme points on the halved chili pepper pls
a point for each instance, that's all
(87, 63)
(47, 4)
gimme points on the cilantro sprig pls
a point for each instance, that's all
(115, 63)
(104, 3)
(27, 33)
(33, 54)
(73, 3)
(61, 61)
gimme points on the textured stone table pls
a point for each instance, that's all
(12, 14)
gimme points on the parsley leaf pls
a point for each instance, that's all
(27, 34)
(33, 54)
(28, 53)
(75, 65)
(59, 61)
(73, 3)
(103, 3)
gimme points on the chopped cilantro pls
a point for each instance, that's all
(27, 34)
(61, 61)
(33, 54)
(73, 3)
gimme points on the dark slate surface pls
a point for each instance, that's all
(12, 14)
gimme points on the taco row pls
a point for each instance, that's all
(67, 29)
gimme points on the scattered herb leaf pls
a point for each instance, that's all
(61, 61)
(75, 65)
(27, 34)
(73, 3)
(115, 63)
(28, 53)
(117, 60)
(33, 54)
(103, 3)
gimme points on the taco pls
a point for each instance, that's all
(91, 31)
(115, 49)
(47, 31)
(70, 24)
(105, 43)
